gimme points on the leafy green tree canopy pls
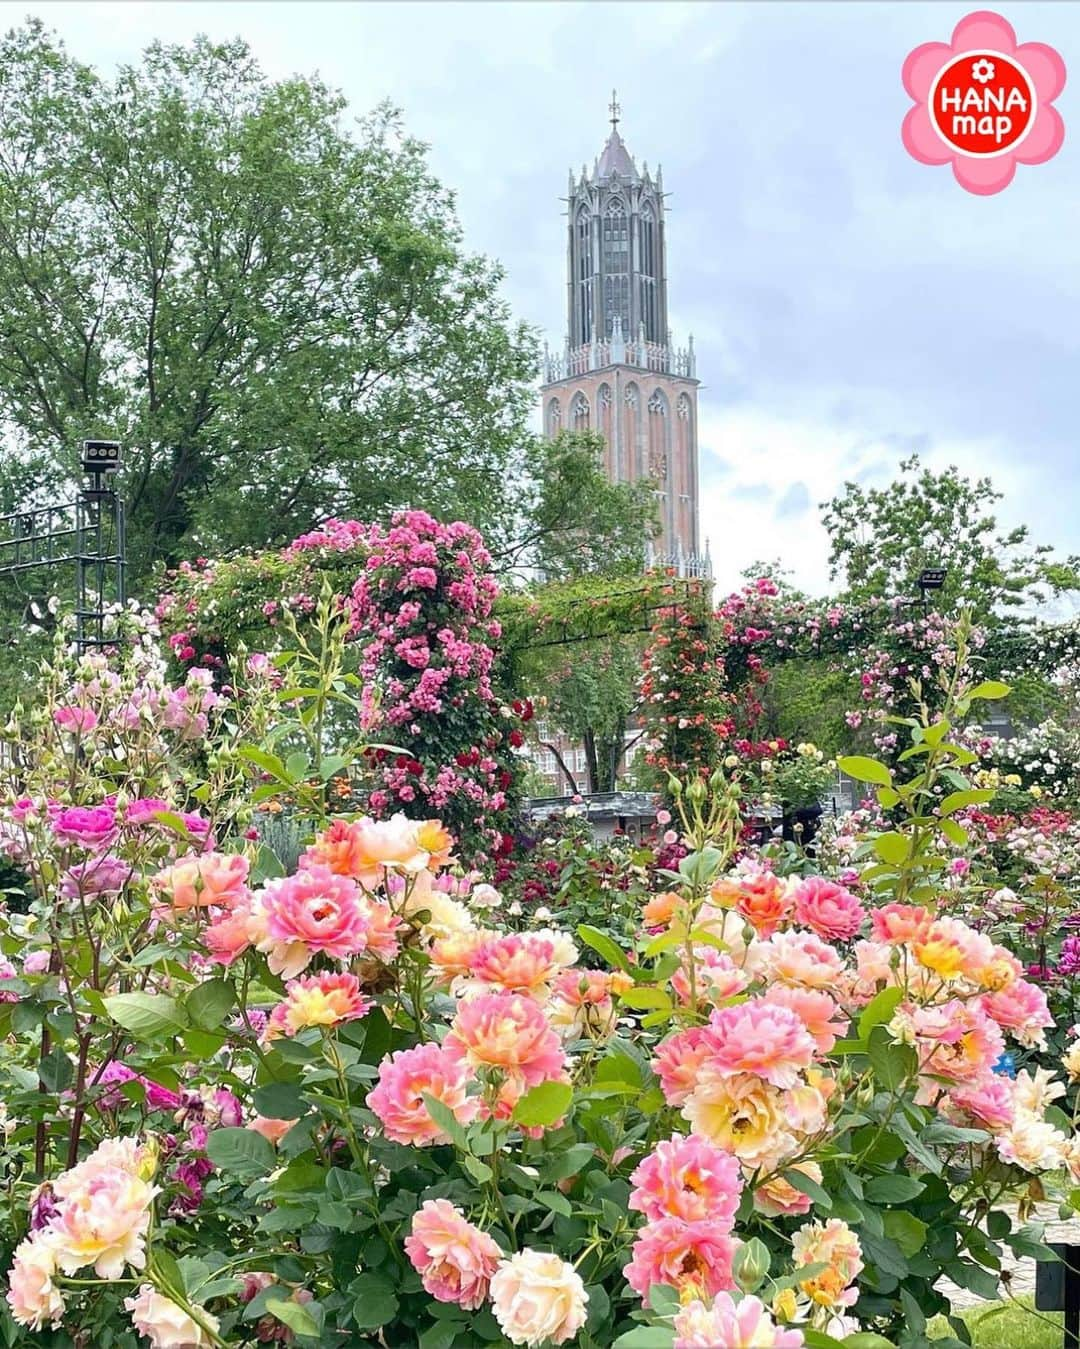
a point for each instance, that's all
(882, 538)
(272, 309)
(572, 520)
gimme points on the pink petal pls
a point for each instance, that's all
(921, 140)
(921, 66)
(984, 30)
(1044, 139)
(1046, 68)
(984, 176)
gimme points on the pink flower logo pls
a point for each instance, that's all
(983, 104)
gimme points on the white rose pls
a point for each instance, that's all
(536, 1297)
(166, 1325)
(485, 897)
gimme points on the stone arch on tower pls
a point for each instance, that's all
(579, 412)
(605, 425)
(685, 440)
(553, 417)
(631, 458)
(660, 456)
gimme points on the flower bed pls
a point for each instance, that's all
(341, 1102)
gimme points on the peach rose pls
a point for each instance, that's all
(208, 880)
(104, 1224)
(273, 1130)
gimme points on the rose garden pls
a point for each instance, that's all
(307, 1038)
(330, 1016)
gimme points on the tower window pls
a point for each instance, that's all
(584, 278)
(615, 260)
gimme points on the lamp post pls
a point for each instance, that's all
(930, 578)
(99, 512)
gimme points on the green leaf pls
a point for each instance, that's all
(294, 1315)
(55, 1071)
(894, 1189)
(974, 796)
(262, 758)
(480, 1171)
(893, 848)
(280, 1100)
(864, 770)
(953, 832)
(891, 1062)
(543, 1105)
(240, 1152)
(556, 1201)
(643, 998)
(805, 1185)
(663, 1299)
(646, 1337)
(146, 1015)
(879, 1010)
(865, 1339)
(376, 1302)
(296, 765)
(267, 865)
(209, 1004)
(171, 820)
(906, 1230)
(990, 688)
(603, 945)
(447, 1121)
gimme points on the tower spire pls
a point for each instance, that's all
(615, 110)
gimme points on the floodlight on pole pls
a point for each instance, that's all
(931, 578)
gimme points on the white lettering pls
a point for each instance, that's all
(964, 126)
(950, 100)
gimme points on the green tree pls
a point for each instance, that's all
(882, 538)
(592, 700)
(273, 311)
(574, 522)
(571, 519)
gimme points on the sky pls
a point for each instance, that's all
(849, 306)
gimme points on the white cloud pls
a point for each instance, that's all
(764, 454)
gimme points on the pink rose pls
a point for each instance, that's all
(828, 909)
(454, 1259)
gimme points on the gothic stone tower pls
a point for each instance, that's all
(620, 374)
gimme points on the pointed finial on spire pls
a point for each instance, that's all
(615, 110)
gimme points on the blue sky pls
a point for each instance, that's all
(848, 304)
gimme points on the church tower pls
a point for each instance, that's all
(620, 374)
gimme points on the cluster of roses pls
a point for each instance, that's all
(333, 911)
(754, 1083)
(686, 704)
(339, 907)
(101, 705)
(97, 1215)
(520, 1000)
(422, 612)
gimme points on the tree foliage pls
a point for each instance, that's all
(272, 310)
(882, 538)
(576, 525)
(572, 520)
